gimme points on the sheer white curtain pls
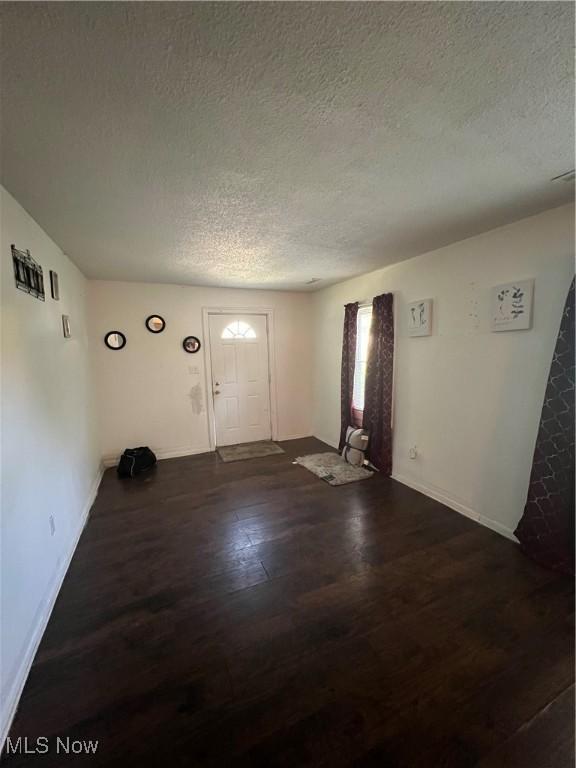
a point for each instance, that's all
(362, 338)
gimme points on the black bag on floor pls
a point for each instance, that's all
(134, 461)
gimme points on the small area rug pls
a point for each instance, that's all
(332, 468)
(248, 450)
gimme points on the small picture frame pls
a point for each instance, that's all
(54, 287)
(511, 306)
(115, 340)
(420, 318)
(155, 323)
(66, 327)
(28, 273)
(191, 344)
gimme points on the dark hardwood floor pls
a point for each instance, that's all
(248, 614)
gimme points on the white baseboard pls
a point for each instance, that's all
(331, 443)
(112, 459)
(301, 436)
(178, 452)
(10, 703)
(457, 506)
(494, 525)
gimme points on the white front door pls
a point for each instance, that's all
(240, 378)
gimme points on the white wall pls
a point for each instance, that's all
(147, 392)
(469, 399)
(50, 461)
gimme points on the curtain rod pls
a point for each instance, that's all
(361, 304)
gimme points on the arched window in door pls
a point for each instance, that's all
(238, 329)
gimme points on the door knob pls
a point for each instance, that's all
(216, 391)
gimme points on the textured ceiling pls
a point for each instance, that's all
(265, 144)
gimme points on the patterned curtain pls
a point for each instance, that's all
(347, 375)
(378, 395)
(546, 531)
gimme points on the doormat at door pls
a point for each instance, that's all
(249, 450)
(332, 468)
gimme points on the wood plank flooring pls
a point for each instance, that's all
(248, 614)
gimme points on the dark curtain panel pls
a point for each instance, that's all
(378, 395)
(546, 531)
(347, 375)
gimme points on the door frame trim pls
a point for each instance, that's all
(219, 310)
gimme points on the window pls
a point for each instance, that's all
(362, 338)
(238, 330)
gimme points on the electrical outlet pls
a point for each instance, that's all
(412, 452)
(52, 525)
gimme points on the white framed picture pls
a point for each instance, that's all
(420, 318)
(66, 327)
(54, 286)
(511, 306)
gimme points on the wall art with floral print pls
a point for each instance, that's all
(511, 306)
